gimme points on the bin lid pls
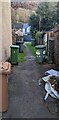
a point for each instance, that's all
(14, 46)
(4, 65)
(19, 42)
(40, 46)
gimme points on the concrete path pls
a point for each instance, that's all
(0, 116)
(25, 95)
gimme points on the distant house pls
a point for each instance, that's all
(26, 32)
(17, 26)
(26, 28)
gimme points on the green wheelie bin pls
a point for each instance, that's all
(14, 54)
(40, 53)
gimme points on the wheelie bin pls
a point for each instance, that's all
(14, 54)
(5, 69)
(40, 53)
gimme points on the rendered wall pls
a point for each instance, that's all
(6, 33)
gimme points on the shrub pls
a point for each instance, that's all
(38, 37)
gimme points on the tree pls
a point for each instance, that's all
(47, 15)
(33, 21)
(13, 15)
(45, 18)
(38, 37)
(57, 12)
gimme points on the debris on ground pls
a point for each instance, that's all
(52, 72)
(40, 82)
(51, 85)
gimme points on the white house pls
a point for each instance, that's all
(26, 28)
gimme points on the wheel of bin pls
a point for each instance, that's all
(17, 63)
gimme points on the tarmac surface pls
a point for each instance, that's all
(26, 97)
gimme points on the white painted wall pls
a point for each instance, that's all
(5, 28)
(0, 31)
(28, 29)
(23, 31)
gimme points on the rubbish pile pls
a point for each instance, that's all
(51, 80)
(52, 72)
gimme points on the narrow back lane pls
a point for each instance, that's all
(25, 95)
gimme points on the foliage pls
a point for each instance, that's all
(47, 16)
(21, 56)
(38, 37)
(13, 16)
(57, 13)
(33, 32)
(33, 21)
(20, 15)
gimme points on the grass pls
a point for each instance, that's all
(32, 48)
(21, 56)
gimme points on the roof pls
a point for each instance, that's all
(25, 25)
(17, 25)
(56, 29)
(19, 33)
(48, 31)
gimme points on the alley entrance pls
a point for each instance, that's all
(25, 94)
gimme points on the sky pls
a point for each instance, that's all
(29, 0)
(26, 0)
(34, 0)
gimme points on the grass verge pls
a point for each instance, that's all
(21, 56)
(32, 48)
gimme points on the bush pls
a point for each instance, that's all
(38, 37)
(33, 32)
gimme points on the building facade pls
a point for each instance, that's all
(5, 29)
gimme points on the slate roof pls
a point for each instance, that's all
(17, 25)
(25, 25)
